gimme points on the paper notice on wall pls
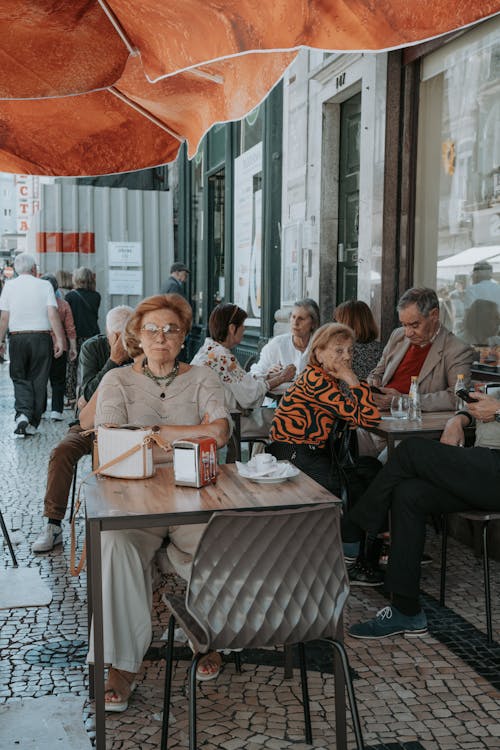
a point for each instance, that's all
(125, 253)
(125, 282)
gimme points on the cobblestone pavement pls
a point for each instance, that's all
(436, 693)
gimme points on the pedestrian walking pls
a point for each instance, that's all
(84, 302)
(57, 375)
(29, 311)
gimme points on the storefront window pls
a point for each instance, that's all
(248, 217)
(457, 230)
(252, 128)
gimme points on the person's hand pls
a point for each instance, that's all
(343, 371)
(484, 408)
(383, 400)
(82, 401)
(274, 370)
(453, 433)
(118, 354)
(73, 354)
(58, 349)
(284, 375)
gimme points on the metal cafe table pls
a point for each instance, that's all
(393, 430)
(143, 503)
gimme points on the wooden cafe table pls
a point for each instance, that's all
(142, 503)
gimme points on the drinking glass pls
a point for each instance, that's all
(400, 406)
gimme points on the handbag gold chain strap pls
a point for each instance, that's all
(148, 441)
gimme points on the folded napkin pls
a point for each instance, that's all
(276, 470)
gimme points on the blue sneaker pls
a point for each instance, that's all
(390, 621)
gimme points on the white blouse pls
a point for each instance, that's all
(241, 389)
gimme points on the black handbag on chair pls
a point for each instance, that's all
(353, 472)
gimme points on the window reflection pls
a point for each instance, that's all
(457, 247)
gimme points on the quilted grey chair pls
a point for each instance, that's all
(260, 579)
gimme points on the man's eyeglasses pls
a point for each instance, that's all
(170, 329)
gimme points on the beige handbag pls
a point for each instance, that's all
(123, 453)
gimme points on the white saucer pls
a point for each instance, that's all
(273, 477)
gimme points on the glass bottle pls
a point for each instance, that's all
(415, 411)
(459, 386)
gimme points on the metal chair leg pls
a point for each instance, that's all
(305, 692)
(339, 647)
(8, 541)
(192, 701)
(288, 665)
(237, 661)
(444, 545)
(73, 492)
(487, 590)
(169, 657)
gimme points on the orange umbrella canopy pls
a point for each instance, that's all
(93, 87)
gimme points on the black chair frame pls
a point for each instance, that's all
(484, 517)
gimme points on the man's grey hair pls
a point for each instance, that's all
(424, 298)
(24, 263)
(117, 318)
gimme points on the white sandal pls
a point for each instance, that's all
(122, 687)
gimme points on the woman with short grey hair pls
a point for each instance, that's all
(290, 348)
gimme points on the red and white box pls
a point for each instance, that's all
(195, 461)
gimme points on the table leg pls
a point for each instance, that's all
(89, 609)
(94, 544)
(391, 444)
(340, 702)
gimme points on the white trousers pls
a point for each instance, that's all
(127, 594)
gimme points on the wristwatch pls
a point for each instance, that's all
(497, 416)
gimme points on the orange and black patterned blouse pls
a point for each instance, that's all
(310, 406)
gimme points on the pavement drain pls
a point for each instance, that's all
(57, 653)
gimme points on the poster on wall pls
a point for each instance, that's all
(125, 282)
(291, 281)
(248, 232)
(125, 254)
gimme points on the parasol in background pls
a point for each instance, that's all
(94, 87)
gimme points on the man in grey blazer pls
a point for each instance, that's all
(422, 347)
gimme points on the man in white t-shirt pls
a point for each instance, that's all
(29, 311)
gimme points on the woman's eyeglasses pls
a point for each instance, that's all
(170, 329)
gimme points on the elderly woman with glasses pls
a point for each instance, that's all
(185, 402)
(242, 391)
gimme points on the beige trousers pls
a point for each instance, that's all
(127, 594)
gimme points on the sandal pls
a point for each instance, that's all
(121, 684)
(209, 667)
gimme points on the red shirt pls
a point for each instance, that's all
(411, 364)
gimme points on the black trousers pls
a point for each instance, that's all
(30, 360)
(57, 379)
(317, 464)
(423, 477)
